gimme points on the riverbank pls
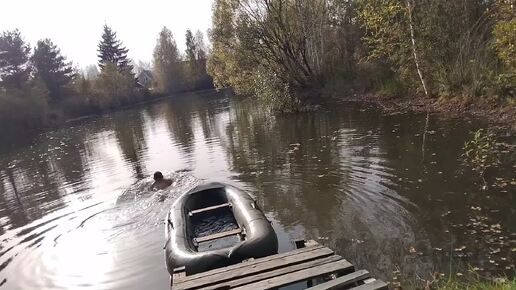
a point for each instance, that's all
(458, 282)
(154, 98)
(500, 284)
(493, 114)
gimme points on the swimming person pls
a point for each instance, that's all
(160, 182)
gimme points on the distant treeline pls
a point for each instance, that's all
(285, 51)
(39, 87)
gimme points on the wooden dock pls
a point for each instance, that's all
(311, 265)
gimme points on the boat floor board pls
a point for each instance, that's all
(218, 235)
(310, 262)
(202, 210)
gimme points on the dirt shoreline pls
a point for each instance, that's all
(492, 115)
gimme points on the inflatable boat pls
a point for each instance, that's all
(252, 234)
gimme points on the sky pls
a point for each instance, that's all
(75, 26)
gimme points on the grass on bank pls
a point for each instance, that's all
(497, 284)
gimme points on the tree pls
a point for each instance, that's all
(200, 47)
(141, 66)
(166, 61)
(51, 67)
(504, 44)
(14, 60)
(287, 40)
(91, 72)
(190, 46)
(111, 50)
(195, 70)
(114, 88)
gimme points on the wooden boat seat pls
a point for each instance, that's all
(218, 236)
(210, 208)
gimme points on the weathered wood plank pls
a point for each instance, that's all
(339, 282)
(252, 268)
(201, 210)
(253, 263)
(179, 272)
(218, 235)
(274, 273)
(298, 276)
(375, 285)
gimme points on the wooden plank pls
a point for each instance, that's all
(375, 285)
(298, 276)
(252, 268)
(210, 208)
(179, 272)
(274, 273)
(339, 282)
(218, 236)
(255, 262)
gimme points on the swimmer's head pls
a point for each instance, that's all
(158, 176)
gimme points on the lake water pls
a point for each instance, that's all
(76, 212)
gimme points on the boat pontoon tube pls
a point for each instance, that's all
(258, 237)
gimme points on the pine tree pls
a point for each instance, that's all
(14, 60)
(52, 68)
(111, 50)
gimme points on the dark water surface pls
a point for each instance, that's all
(75, 212)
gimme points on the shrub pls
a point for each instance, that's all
(25, 108)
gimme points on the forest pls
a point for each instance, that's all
(40, 88)
(286, 55)
(392, 48)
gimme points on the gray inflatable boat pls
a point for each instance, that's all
(254, 234)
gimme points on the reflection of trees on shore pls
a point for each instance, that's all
(10, 199)
(287, 176)
(179, 121)
(29, 191)
(35, 183)
(131, 139)
(206, 115)
(336, 183)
